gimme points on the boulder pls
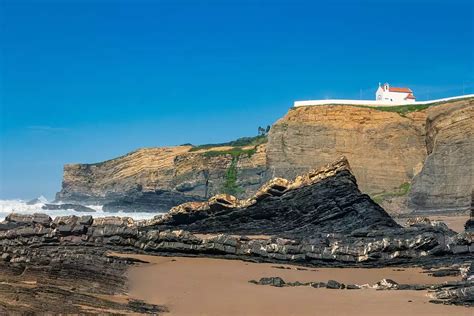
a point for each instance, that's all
(29, 219)
(332, 284)
(386, 284)
(273, 281)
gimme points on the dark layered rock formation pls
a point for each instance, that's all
(58, 280)
(67, 206)
(322, 200)
(322, 216)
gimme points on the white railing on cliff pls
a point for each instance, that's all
(373, 102)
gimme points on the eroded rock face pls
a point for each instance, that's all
(385, 149)
(322, 200)
(447, 178)
(156, 179)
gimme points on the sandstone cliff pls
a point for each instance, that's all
(387, 149)
(447, 178)
(156, 179)
(384, 149)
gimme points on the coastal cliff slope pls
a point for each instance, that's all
(447, 178)
(156, 179)
(421, 151)
(385, 149)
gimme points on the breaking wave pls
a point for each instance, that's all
(24, 207)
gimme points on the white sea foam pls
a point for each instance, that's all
(20, 206)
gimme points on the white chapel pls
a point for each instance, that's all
(386, 93)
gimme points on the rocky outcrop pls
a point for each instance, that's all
(418, 246)
(317, 218)
(447, 178)
(67, 206)
(456, 293)
(322, 200)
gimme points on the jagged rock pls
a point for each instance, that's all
(73, 220)
(6, 256)
(67, 206)
(469, 226)
(274, 187)
(332, 284)
(353, 287)
(114, 220)
(318, 284)
(36, 218)
(459, 293)
(420, 221)
(323, 200)
(140, 306)
(386, 284)
(37, 200)
(273, 281)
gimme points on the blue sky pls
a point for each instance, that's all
(85, 81)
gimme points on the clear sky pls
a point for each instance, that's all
(85, 81)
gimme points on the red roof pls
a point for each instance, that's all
(395, 89)
(410, 96)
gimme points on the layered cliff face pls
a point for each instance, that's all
(425, 154)
(447, 178)
(156, 179)
(385, 149)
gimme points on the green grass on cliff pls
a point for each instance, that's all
(240, 142)
(234, 152)
(402, 190)
(230, 185)
(403, 109)
(237, 151)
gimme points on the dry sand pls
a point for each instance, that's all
(456, 223)
(204, 286)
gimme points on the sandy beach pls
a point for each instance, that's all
(203, 286)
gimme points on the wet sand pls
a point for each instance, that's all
(204, 286)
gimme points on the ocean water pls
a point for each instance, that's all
(20, 206)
